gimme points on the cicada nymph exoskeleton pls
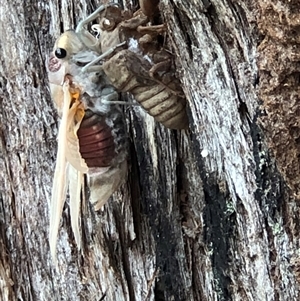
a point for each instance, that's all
(91, 139)
(141, 66)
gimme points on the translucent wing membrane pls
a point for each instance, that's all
(70, 167)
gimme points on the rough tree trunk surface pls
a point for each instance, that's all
(206, 214)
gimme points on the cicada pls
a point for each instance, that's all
(92, 137)
(134, 62)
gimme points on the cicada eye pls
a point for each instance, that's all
(60, 53)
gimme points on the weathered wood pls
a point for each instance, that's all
(204, 215)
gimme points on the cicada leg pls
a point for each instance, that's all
(107, 53)
(157, 29)
(93, 43)
(163, 66)
(117, 102)
(93, 16)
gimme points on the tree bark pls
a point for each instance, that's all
(210, 213)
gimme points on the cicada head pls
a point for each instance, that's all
(66, 49)
(57, 61)
(66, 61)
(67, 45)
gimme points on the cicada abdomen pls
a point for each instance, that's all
(103, 145)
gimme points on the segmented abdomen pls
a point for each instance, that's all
(100, 145)
(166, 107)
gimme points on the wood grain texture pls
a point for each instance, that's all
(204, 215)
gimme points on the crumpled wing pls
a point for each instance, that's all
(59, 182)
(103, 185)
(73, 155)
(76, 181)
(68, 152)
